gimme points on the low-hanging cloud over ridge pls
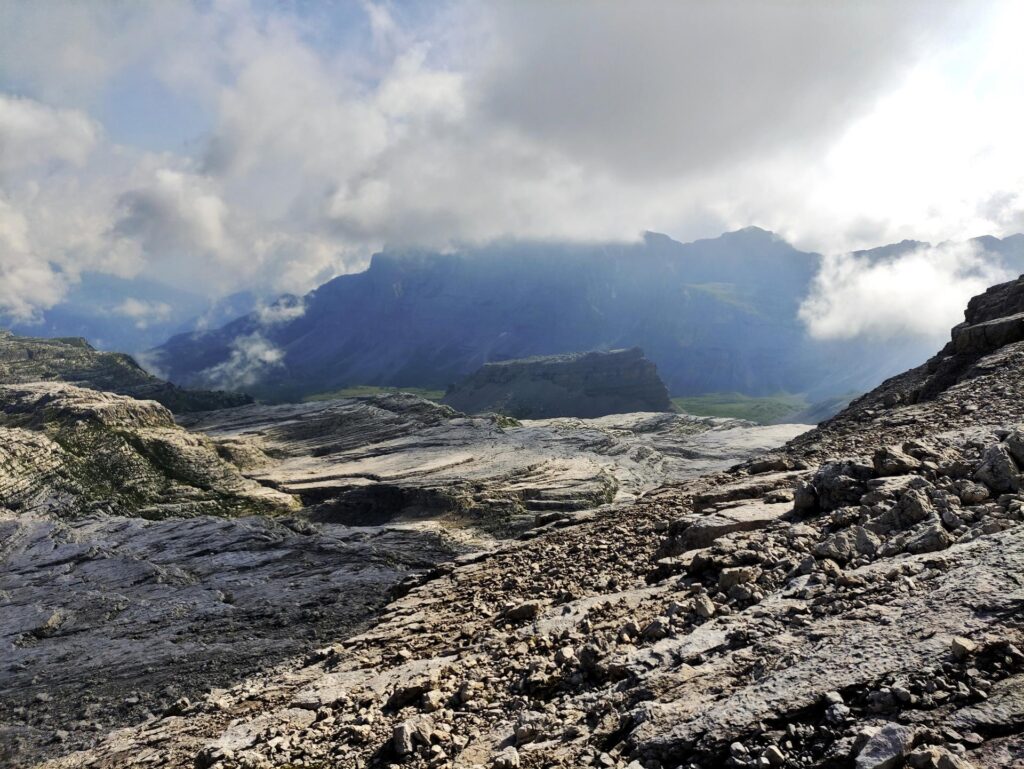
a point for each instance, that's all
(237, 144)
(920, 291)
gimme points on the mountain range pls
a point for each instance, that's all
(715, 315)
(130, 314)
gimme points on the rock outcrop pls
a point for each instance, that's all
(67, 450)
(850, 600)
(27, 359)
(592, 384)
(393, 458)
(145, 567)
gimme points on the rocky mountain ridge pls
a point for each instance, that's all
(850, 600)
(715, 315)
(591, 384)
(68, 450)
(73, 360)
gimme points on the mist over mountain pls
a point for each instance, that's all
(715, 315)
(131, 315)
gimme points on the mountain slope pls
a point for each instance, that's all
(27, 359)
(130, 315)
(713, 315)
(850, 600)
(717, 315)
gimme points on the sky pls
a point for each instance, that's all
(269, 145)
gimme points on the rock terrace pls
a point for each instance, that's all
(851, 600)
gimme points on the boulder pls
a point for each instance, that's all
(886, 748)
(998, 470)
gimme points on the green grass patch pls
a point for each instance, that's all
(361, 390)
(763, 410)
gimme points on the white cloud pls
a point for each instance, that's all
(251, 357)
(25, 283)
(838, 126)
(281, 311)
(32, 134)
(175, 213)
(657, 90)
(143, 312)
(921, 292)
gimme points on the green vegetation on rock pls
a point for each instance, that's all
(68, 450)
(766, 410)
(358, 391)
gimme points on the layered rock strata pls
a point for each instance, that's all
(852, 600)
(73, 360)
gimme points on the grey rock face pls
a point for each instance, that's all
(105, 619)
(27, 359)
(874, 624)
(68, 450)
(399, 457)
(583, 385)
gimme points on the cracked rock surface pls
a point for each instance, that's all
(854, 599)
(400, 457)
(145, 568)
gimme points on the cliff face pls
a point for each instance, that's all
(583, 385)
(27, 359)
(715, 315)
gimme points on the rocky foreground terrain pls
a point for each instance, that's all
(144, 565)
(854, 599)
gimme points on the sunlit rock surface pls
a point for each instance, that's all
(852, 599)
(394, 457)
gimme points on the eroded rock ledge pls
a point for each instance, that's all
(853, 600)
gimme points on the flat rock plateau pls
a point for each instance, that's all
(638, 592)
(149, 562)
(590, 384)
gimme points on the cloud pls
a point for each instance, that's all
(251, 357)
(175, 213)
(143, 312)
(920, 291)
(69, 52)
(25, 282)
(33, 134)
(282, 311)
(316, 135)
(655, 90)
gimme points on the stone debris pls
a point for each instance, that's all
(872, 620)
(886, 748)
